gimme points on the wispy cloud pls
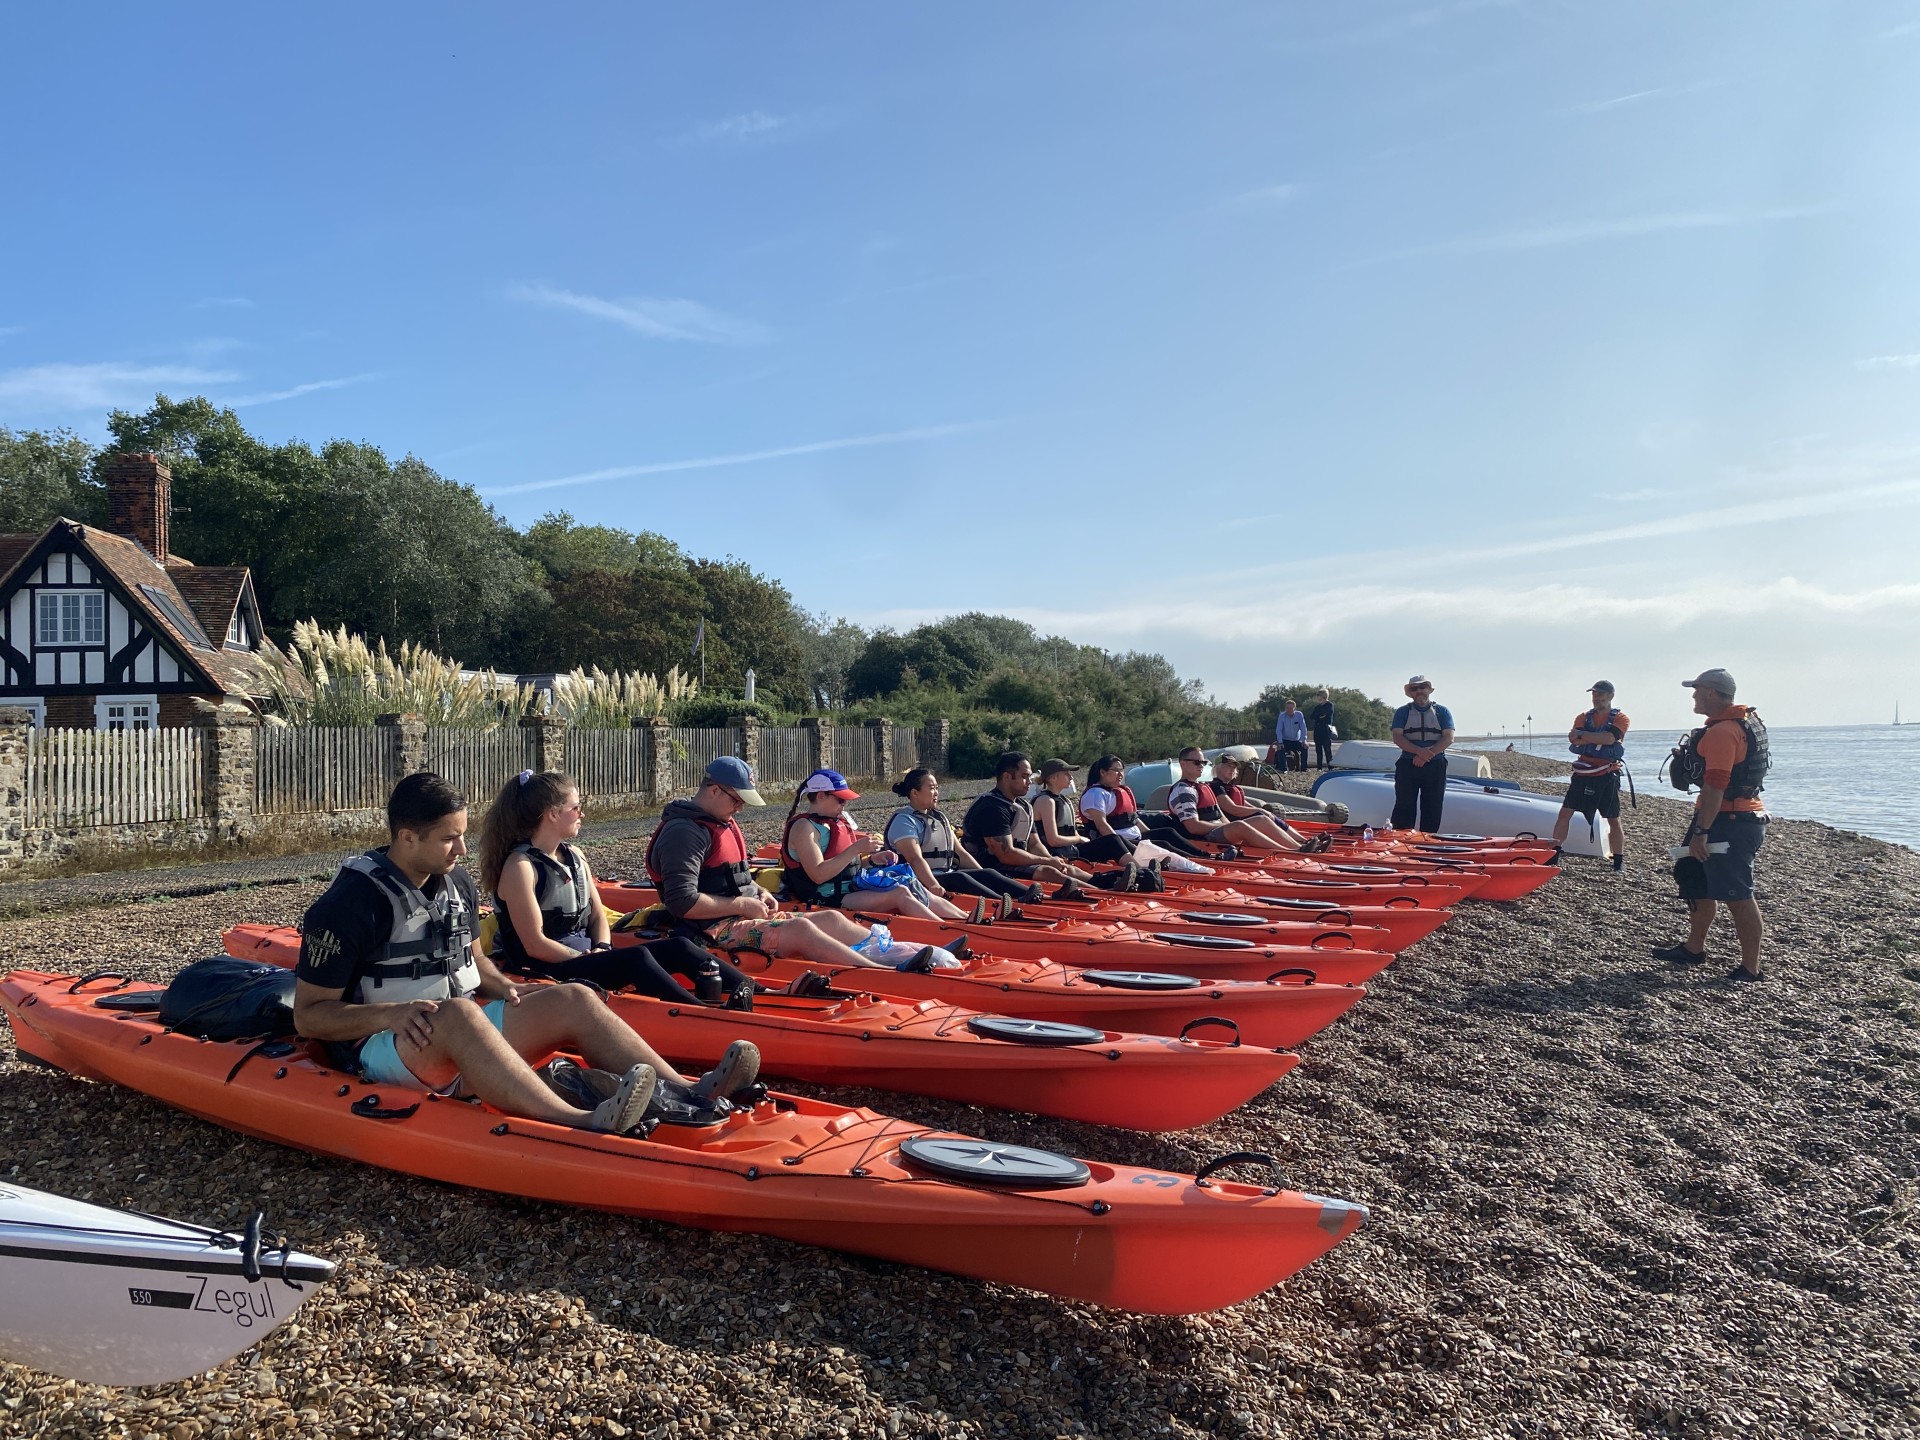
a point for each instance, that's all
(755, 127)
(744, 457)
(222, 302)
(1590, 232)
(1901, 32)
(104, 385)
(1890, 362)
(1409, 22)
(7, 330)
(1634, 97)
(1262, 197)
(294, 392)
(656, 319)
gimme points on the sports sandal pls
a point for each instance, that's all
(738, 1068)
(808, 983)
(981, 913)
(627, 1106)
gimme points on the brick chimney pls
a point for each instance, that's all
(140, 500)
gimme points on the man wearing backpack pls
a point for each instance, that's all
(1597, 741)
(1728, 759)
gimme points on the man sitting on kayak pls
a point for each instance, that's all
(392, 977)
(1232, 800)
(1198, 810)
(999, 828)
(698, 860)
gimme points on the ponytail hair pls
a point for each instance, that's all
(515, 814)
(1100, 766)
(912, 781)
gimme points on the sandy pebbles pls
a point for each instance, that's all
(1610, 1198)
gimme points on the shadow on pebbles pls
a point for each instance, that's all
(1609, 1198)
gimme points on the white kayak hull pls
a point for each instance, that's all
(1470, 809)
(1151, 781)
(112, 1297)
(1382, 754)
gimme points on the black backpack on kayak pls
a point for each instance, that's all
(226, 999)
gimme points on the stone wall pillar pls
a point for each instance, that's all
(936, 738)
(819, 742)
(549, 741)
(15, 724)
(749, 728)
(882, 748)
(231, 753)
(659, 757)
(406, 741)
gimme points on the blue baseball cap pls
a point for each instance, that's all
(734, 773)
(829, 782)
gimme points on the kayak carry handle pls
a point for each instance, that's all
(1314, 944)
(368, 1107)
(250, 1247)
(1212, 1020)
(1202, 942)
(91, 976)
(1313, 976)
(1243, 1157)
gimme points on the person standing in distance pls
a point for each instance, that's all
(1423, 731)
(1320, 720)
(1597, 741)
(1290, 729)
(1728, 759)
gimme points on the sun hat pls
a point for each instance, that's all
(1416, 681)
(735, 774)
(829, 782)
(1713, 679)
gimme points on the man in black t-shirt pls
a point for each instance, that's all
(392, 976)
(998, 831)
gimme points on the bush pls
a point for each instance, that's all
(711, 712)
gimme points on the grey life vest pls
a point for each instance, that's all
(936, 837)
(1423, 726)
(428, 954)
(563, 893)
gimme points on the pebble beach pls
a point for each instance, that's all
(1609, 1198)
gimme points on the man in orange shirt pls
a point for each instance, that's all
(1595, 788)
(1728, 759)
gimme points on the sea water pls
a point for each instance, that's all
(1854, 777)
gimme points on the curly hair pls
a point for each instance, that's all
(515, 814)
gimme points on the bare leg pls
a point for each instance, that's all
(1748, 926)
(1616, 836)
(1273, 830)
(572, 1017)
(1699, 922)
(811, 937)
(1239, 832)
(465, 1044)
(1565, 819)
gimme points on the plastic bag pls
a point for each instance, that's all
(226, 999)
(883, 877)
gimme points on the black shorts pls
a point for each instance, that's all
(1588, 794)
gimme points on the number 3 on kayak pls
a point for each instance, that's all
(1163, 1181)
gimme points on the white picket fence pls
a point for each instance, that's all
(114, 777)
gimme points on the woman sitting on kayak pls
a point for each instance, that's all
(821, 855)
(1056, 819)
(1110, 808)
(922, 836)
(551, 921)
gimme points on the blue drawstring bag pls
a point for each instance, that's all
(883, 877)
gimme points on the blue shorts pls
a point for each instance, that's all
(1730, 876)
(379, 1058)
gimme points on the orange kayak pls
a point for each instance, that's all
(1230, 912)
(1143, 912)
(798, 1169)
(1104, 1077)
(1424, 891)
(1108, 944)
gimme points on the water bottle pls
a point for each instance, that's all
(706, 982)
(1366, 832)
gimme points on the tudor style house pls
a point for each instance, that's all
(104, 629)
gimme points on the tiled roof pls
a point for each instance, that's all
(13, 549)
(212, 590)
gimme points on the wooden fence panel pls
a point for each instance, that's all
(301, 770)
(694, 750)
(906, 747)
(1259, 738)
(783, 756)
(114, 777)
(479, 762)
(856, 752)
(609, 763)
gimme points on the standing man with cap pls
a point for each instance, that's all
(1598, 743)
(1728, 759)
(1423, 731)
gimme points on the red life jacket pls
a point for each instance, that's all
(1125, 807)
(726, 872)
(1207, 802)
(839, 840)
(1232, 792)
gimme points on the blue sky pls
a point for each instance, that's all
(1516, 343)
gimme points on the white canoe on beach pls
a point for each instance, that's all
(1381, 755)
(1472, 808)
(1151, 781)
(112, 1297)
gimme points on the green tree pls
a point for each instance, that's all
(1357, 715)
(560, 546)
(45, 475)
(749, 623)
(828, 648)
(642, 620)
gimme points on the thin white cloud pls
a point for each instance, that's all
(273, 396)
(1588, 232)
(222, 302)
(755, 127)
(8, 330)
(1901, 32)
(104, 385)
(1263, 197)
(1910, 361)
(745, 457)
(1408, 22)
(1634, 97)
(656, 319)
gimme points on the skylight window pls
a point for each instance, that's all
(183, 622)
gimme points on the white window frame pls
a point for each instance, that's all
(42, 613)
(104, 705)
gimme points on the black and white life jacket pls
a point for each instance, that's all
(428, 954)
(562, 889)
(936, 835)
(1066, 816)
(1423, 727)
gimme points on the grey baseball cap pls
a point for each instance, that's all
(1713, 679)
